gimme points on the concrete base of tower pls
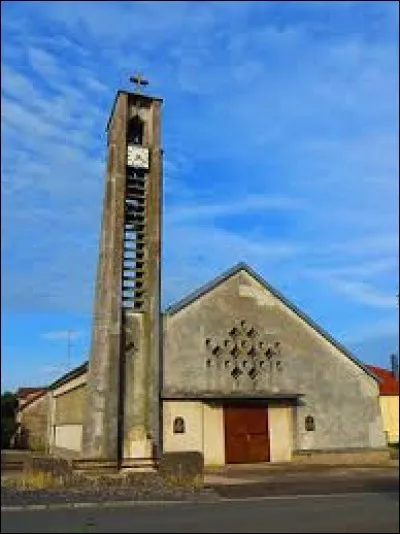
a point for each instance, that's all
(139, 464)
(95, 465)
(139, 454)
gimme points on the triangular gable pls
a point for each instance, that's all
(192, 297)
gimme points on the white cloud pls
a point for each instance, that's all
(367, 245)
(361, 270)
(46, 65)
(48, 371)
(363, 293)
(383, 328)
(196, 253)
(250, 204)
(62, 335)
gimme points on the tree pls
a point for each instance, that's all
(9, 406)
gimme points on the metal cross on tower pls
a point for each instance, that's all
(139, 81)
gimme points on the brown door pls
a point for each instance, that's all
(246, 434)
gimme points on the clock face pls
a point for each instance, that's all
(137, 157)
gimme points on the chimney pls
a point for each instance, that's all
(394, 364)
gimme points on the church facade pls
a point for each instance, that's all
(260, 380)
(234, 371)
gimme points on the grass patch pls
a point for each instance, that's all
(34, 479)
(39, 479)
(195, 482)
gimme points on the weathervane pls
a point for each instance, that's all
(139, 81)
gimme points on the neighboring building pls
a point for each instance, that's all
(389, 402)
(66, 409)
(33, 418)
(27, 394)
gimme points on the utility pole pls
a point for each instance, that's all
(69, 333)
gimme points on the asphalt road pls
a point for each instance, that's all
(356, 513)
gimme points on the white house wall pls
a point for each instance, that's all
(214, 435)
(204, 430)
(192, 438)
(68, 437)
(280, 433)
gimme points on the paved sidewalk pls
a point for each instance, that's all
(246, 481)
(247, 473)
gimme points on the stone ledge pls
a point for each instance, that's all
(98, 465)
(149, 464)
(342, 457)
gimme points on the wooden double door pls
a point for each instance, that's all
(246, 433)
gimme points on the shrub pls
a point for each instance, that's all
(9, 405)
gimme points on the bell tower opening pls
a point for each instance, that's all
(135, 130)
(135, 253)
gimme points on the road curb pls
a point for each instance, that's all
(104, 504)
(220, 500)
(108, 504)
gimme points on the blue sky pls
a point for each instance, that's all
(280, 131)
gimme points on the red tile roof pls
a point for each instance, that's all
(388, 384)
(26, 391)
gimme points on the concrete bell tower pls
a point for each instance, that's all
(122, 409)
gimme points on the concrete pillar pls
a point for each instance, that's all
(102, 414)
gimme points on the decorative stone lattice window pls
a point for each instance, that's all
(244, 351)
(179, 425)
(310, 423)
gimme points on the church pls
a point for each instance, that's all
(234, 371)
